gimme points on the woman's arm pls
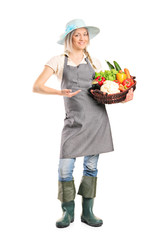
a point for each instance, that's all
(39, 85)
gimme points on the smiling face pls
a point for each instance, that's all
(80, 39)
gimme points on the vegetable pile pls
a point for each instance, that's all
(114, 80)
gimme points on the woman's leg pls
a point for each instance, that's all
(66, 187)
(90, 165)
(65, 169)
(89, 180)
(66, 191)
(87, 190)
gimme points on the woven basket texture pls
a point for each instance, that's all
(105, 98)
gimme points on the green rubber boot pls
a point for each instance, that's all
(66, 194)
(68, 215)
(87, 190)
(87, 214)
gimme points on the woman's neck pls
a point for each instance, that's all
(76, 53)
(76, 56)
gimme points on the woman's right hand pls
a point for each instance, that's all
(69, 93)
(39, 85)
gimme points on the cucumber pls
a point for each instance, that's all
(117, 66)
(110, 65)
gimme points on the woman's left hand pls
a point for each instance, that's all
(129, 96)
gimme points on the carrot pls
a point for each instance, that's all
(127, 73)
(121, 88)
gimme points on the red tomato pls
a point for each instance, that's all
(127, 83)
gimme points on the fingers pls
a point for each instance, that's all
(129, 95)
(66, 92)
(74, 93)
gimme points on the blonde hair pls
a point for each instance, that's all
(68, 42)
(69, 48)
(89, 58)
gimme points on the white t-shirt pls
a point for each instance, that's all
(57, 64)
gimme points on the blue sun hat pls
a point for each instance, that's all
(75, 24)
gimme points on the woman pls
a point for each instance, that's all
(86, 129)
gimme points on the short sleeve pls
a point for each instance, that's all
(57, 64)
(53, 63)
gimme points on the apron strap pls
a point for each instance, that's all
(65, 60)
(88, 62)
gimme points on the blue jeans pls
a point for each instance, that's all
(66, 166)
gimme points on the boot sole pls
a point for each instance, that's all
(64, 226)
(92, 225)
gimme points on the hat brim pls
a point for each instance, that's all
(93, 31)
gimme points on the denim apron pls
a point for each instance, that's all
(86, 128)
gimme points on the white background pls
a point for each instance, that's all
(128, 191)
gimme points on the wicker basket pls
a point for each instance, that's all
(105, 98)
